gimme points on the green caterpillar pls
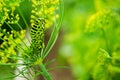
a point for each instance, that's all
(37, 35)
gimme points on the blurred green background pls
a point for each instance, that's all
(91, 39)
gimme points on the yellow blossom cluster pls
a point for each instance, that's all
(106, 4)
(9, 46)
(102, 20)
(7, 8)
(46, 9)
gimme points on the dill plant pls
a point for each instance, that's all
(106, 23)
(15, 43)
(93, 53)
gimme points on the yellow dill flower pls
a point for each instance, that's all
(47, 9)
(38, 61)
(9, 46)
(4, 60)
(1, 54)
(7, 8)
(102, 19)
(106, 4)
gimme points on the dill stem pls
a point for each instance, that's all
(45, 72)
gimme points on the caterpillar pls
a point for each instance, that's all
(37, 35)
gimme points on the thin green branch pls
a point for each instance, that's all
(55, 32)
(23, 73)
(58, 67)
(17, 33)
(28, 28)
(12, 64)
(24, 20)
(45, 72)
(13, 41)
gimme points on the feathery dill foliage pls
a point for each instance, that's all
(13, 47)
(8, 46)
